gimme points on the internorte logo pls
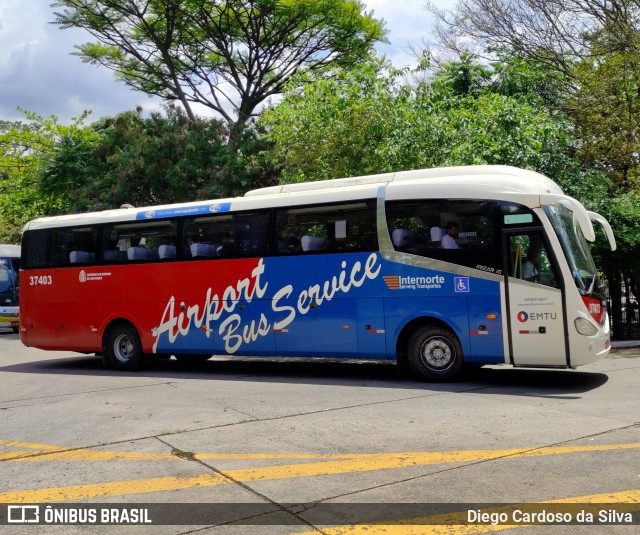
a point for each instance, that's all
(397, 282)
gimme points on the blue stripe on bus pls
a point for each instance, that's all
(202, 209)
(352, 305)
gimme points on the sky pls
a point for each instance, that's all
(38, 72)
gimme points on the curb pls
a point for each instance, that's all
(619, 344)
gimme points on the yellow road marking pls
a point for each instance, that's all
(33, 449)
(457, 523)
(88, 455)
(41, 452)
(350, 464)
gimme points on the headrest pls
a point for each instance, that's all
(204, 249)
(311, 243)
(138, 253)
(402, 238)
(81, 257)
(167, 251)
(436, 233)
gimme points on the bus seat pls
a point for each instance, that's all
(81, 257)
(138, 253)
(204, 249)
(311, 243)
(166, 251)
(436, 234)
(403, 238)
(114, 255)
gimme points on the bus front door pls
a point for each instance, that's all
(537, 331)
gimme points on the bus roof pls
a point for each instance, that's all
(9, 251)
(518, 180)
(480, 181)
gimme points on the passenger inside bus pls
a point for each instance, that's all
(531, 266)
(450, 239)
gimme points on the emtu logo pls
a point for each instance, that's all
(523, 317)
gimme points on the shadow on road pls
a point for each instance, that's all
(504, 379)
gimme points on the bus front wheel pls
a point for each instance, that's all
(435, 353)
(124, 349)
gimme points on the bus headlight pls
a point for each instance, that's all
(585, 327)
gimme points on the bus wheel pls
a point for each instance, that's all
(435, 353)
(124, 350)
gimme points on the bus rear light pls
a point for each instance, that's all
(585, 327)
(596, 308)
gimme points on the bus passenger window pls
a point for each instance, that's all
(143, 241)
(226, 236)
(346, 227)
(456, 231)
(71, 246)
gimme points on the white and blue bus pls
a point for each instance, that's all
(9, 272)
(436, 269)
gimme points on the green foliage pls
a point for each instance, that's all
(24, 147)
(606, 111)
(226, 55)
(368, 121)
(155, 160)
(328, 127)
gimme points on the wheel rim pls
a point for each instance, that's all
(123, 347)
(437, 353)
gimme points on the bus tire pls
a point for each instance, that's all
(123, 348)
(435, 353)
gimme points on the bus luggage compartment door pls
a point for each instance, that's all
(319, 330)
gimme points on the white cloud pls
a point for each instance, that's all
(38, 72)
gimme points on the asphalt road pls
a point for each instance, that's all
(274, 447)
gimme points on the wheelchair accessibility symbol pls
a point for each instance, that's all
(461, 284)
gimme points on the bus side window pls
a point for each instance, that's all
(35, 248)
(251, 234)
(143, 241)
(418, 227)
(226, 236)
(71, 246)
(337, 228)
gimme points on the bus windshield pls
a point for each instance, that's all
(8, 283)
(575, 247)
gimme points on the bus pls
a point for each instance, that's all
(347, 268)
(9, 272)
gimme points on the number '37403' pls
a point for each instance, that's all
(42, 280)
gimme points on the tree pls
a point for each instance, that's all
(23, 148)
(367, 121)
(153, 160)
(555, 33)
(330, 127)
(606, 111)
(229, 56)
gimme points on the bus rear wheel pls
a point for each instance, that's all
(123, 348)
(435, 353)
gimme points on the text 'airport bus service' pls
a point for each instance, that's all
(436, 269)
